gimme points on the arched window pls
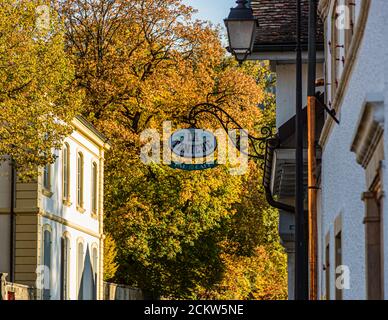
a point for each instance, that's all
(351, 16)
(95, 271)
(338, 26)
(94, 188)
(80, 269)
(46, 264)
(65, 267)
(66, 172)
(47, 176)
(334, 51)
(80, 180)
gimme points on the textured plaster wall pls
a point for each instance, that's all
(54, 206)
(343, 180)
(384, 65)
(285, 88)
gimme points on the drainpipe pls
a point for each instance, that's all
(312, 178)
(12, 224)
(301, 230)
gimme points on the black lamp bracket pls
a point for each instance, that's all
(330, 112)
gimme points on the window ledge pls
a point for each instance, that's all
(47, 193)
(370, 128)
(67, 202)
(80, 209)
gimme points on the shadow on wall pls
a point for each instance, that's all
(87, 289)
(86, 274)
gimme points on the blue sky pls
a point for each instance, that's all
(214, 10)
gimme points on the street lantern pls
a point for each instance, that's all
(241, 27)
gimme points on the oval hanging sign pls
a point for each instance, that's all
(193, 143)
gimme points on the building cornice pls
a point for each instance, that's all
(87, 129)
(70, 224)
(370, 128)
(348, 69)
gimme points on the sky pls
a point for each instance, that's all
(214, 10)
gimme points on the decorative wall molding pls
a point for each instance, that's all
(348, 69)
(70, 224)
(370, 128)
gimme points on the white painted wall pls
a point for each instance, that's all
(5, 183)
(343, 180)
(58, 230)
(286, 93)
(384, 69)
(54, 205)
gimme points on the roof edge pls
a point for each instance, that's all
(105, 141)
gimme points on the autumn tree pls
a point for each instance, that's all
(262, 275)
(140, 63)
(37, 99)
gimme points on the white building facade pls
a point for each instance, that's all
(353, 221)
(352, 61)
(57, 229)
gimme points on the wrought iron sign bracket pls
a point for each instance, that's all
(228, 123)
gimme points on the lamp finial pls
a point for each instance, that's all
(241, 3)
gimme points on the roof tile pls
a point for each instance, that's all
(277, 22)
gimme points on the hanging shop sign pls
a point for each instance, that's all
(193, 143)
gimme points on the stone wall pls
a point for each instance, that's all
(114, 291)
(14, 291)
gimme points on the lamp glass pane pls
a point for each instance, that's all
(240, 34)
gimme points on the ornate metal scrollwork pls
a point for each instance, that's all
(258, 144)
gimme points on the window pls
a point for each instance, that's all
(66, 172)
(335, 51)
(368, 145)
(327, 270)
(46, 264)
(350, 19)
(94, 187)
(47, 176)
(373, 243)
(80, 269)
(338, 261)
(95, 271)
(65, 267)
(342, 29)
(80, 180)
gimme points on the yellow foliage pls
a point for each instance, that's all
(262, 276)
(37, 99)
(110, 253)
(140, 63)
